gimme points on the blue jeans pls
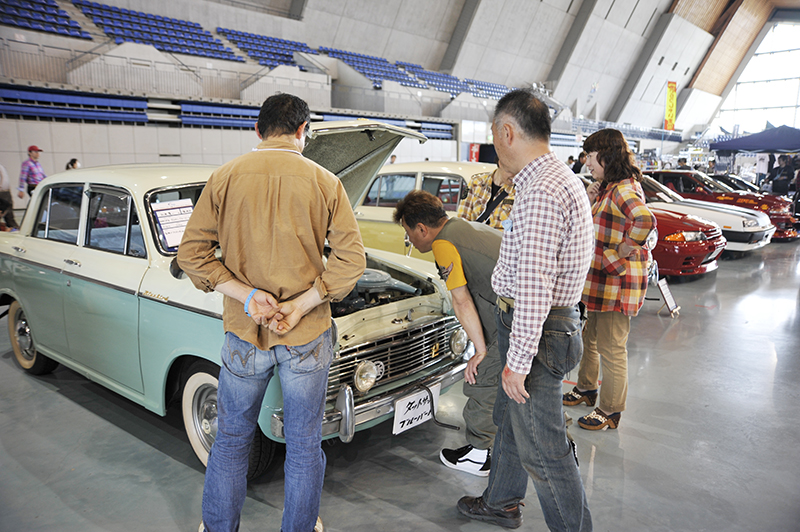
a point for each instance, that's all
(243, 379)
(532, 437)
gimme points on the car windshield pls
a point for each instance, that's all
(655, 192)
(710, 184)
(169, 210)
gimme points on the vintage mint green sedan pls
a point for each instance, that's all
(91, 282)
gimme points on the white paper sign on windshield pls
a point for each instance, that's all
(172, 217)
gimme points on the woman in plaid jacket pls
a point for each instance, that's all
(617, 279)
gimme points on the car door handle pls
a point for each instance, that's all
(72, 262)
(18, 249)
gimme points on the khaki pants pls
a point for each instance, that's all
(606, 337)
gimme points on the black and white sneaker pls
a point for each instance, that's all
(468, 459)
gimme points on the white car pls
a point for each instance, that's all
(91, 282)
(744, 229)
(374, 206)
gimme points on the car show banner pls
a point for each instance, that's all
(672, 102)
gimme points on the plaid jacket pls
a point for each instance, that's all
(616, 283)
(479, 192)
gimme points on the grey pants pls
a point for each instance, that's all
(480, 400)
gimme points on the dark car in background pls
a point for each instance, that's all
(735, 182)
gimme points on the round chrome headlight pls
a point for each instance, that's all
(458, 342)
(651, 240)
(365, 376)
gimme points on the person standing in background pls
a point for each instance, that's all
(73, 164)
(488, 198)
(617, 280)
(578, 167)
(5, 195)
(31, 173)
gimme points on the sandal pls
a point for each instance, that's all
(576, 397)
(597, 420)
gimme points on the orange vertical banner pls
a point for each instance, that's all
(672, 104)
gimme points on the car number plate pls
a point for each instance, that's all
(414, 409)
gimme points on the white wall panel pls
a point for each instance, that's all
(621, 11)
(66, 138)
(119, 158)
(95, 159)
(121, 139)
(145, 141)
(191, 141)
(169, 141)
(211, 141)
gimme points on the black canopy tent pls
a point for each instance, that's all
(782, 139)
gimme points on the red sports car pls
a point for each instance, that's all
(696, 185)
(687, 245)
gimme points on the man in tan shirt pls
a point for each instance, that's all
(270, 212)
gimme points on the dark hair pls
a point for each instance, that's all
(529, 112)
(71, 164)
(422, 207)
(614, 154)
(282, 114)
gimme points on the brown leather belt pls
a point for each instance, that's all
(506, 304)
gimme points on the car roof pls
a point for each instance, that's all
(138, 178)
(465, 169)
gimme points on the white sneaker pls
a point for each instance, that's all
(202, 527)
(468, 459)
(318, 527)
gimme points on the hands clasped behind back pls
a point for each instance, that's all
(282, 317)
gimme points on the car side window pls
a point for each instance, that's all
(447, 189)
(113, 223)
(689, 184)
(388, 189)
(59, 214)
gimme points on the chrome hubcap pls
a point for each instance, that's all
(22, 332)
(205, 414)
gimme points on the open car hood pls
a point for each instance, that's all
(355, 150)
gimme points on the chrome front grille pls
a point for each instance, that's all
(402, 353)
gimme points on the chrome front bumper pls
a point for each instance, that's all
(346, 416)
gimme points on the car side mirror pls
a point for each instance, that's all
(175, 269)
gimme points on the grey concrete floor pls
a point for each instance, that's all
(709, 441)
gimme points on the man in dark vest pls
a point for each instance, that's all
(465, 253)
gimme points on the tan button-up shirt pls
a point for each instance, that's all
(270, 212)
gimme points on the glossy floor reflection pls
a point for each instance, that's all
(709, 440)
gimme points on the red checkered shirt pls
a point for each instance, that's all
(615, 283)
(31, 173)
(545, 253)
(479, 193)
